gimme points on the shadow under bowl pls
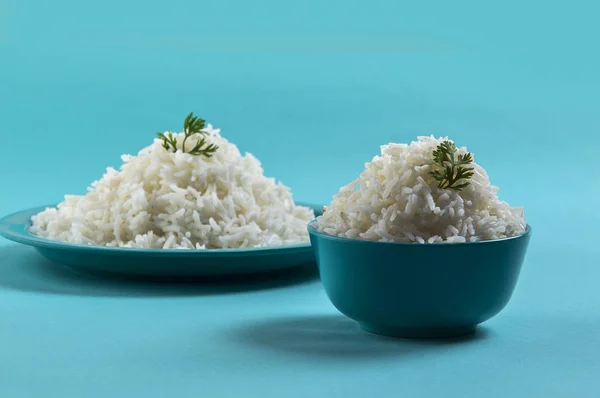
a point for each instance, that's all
(416, 290)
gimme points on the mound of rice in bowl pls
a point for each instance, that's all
(172, 199)
(397, 198)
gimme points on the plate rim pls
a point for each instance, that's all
(14, 227)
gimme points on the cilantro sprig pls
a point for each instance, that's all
(449, 169)
(192, 125)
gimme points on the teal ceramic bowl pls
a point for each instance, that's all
(419, 290)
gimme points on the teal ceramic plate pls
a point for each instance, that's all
(156, 262)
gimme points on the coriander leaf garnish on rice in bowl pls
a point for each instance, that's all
(429, 191)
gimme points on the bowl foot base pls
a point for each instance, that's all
(418, 333)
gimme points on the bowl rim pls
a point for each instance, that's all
(322, 235)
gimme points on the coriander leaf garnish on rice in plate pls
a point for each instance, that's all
(188, 190)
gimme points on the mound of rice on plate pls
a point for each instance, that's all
(396, 199)
(165, 199)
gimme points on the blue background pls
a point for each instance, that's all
(312, 89)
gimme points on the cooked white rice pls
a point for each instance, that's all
(396, 200)
(161, 199)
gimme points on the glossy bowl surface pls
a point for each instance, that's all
(419, 290)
